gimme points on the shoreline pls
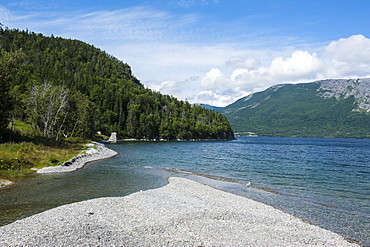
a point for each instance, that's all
(183, 212)
(167, 140)
(95, 151)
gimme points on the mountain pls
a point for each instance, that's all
(211, 107)
(66, 87)
(327, 108)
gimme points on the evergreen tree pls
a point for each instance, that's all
(9, 64)
(75, 89)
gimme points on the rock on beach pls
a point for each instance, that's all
(5, 183)
(182, 213)
(94, 151)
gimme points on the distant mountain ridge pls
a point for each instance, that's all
(326, 108)
(210, 107)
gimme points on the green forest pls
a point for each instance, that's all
(296, 110)
(67, 88)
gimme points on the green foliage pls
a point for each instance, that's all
(9, 64)
(16, 159)
(74, 89)
(14, 156)
(30, 150)
(297, 110)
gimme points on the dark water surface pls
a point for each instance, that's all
(324, 181)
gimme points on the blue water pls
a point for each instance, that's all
(324, 181)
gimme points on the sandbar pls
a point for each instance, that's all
(182, 213)
(95, 151)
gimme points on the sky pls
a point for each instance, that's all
(212, 51)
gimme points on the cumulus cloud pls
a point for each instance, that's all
(183, 90)
(212, 79)
(345, 58)
(356, 48)
(214, 98)
(348, 57)
(212, 89)
(301, 65)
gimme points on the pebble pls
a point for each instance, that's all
(182, 213)
(95, 151)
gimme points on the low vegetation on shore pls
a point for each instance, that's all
(56, 94)
(31, 151)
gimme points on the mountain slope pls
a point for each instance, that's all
(328, 108)
(69, 88)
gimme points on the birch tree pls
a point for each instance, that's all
(48, 106)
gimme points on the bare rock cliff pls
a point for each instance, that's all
(344, 88)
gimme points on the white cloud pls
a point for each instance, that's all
(7, 16)
(171, 54)
(356, 49)
(301, 64)
(345, 58)
(210, 81)
(348, 57)
(213, 98)
(183, 90)
(4, 14)
(124, 25)
(171, 61)
(136, 24)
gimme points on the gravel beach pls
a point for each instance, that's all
(182, 213)
(95, 151)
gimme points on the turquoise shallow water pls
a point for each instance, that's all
(324, 181)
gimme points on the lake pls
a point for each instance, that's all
(323, 181)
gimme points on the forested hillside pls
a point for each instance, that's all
(329, 108)
(69, 88)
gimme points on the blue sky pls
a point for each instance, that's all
(212, 51)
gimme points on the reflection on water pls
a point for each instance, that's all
(101, 179)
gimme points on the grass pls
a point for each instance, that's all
(30, 150)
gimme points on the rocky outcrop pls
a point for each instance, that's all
(328, 108)
(113, 138)
(344, 88)
(5, 183)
